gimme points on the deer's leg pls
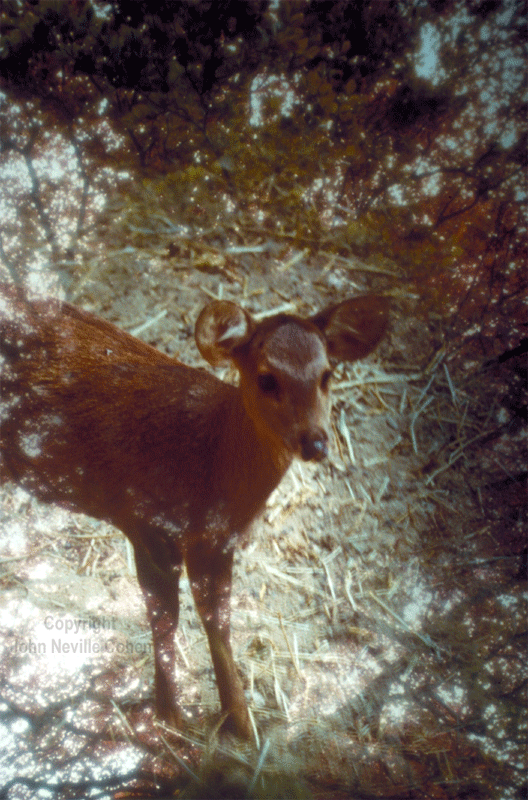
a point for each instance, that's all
(158, 575)
(210, 573)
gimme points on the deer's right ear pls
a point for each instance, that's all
(353, 328)
(220, 328)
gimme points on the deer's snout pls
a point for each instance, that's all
(314, 445)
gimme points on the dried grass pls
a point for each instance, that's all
(377, 612)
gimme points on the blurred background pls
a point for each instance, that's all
(287, 154)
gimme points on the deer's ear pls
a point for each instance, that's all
(353, 328)
(221, 327)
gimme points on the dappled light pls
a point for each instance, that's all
(284, 157)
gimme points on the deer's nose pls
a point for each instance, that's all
(314, 445)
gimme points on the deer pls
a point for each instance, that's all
(180, 461)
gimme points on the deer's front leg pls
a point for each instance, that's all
(210, 575)
(159, 579)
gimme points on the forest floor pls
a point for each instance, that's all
(379, 605)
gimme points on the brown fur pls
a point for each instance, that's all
(181, 462)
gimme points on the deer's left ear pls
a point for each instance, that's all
(353, 328)
(221, 327)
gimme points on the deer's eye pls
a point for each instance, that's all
(325, 379)
(268, 383)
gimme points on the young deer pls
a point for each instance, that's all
(180, 461)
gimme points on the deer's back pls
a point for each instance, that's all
(97, 420)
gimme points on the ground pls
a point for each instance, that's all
(377, 606)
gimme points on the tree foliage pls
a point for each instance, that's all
(380, 132)
(311, 121)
